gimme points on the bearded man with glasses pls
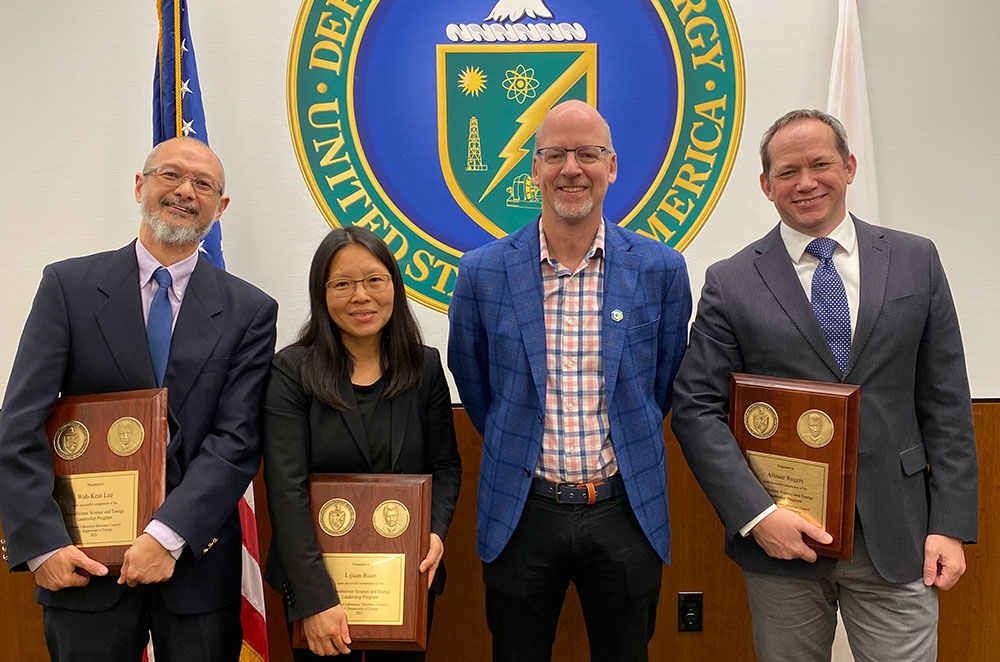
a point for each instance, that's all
(91, 330)
(565, 337)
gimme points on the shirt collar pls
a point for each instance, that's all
(596, 248)
(180, 272)
(795, 242)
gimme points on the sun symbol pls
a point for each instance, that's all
(472, 80)
(520, 83)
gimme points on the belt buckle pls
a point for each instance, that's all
(591, 489)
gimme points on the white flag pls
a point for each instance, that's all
(848, 101)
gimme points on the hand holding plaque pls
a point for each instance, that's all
(109, 460)
(373, 531)
(800, 439)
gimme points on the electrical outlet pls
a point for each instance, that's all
(689, 611)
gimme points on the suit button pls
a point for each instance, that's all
(539, 418)
(399, 470)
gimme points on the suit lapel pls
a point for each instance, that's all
(524, 276)
(621, 271)
(352, 418)
(196, 333)
(873, 261)
(120, 319)
(403, 410)
(775, 268)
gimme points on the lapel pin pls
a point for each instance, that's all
(617, 315)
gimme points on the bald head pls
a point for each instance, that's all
(153, 159)
(571, 112)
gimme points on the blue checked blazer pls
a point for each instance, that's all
(496, 352)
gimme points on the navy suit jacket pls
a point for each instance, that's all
(916, 448)
(497, 354)
(85, 334)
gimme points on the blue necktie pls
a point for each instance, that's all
(159, 324)
(829, 300)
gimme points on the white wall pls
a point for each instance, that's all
(75, 88)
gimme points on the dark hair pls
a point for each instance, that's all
(839, 134)
(327, 360)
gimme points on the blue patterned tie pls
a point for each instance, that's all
(829, 300)
(158, 325)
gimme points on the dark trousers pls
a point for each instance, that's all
(306, 655)
(603, 551)
(120, 634)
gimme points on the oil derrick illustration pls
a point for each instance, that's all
(475, 160)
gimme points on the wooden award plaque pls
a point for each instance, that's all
(373, 531)
(800, 439)
(109, 457)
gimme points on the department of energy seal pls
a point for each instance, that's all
(761, 420)
(71, 440)
(391, 518)
(125, 436)
(337, 517)
(417, 119)
(815, 428)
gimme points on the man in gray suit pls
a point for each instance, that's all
(894, 332)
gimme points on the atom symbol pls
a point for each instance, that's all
(520, 84)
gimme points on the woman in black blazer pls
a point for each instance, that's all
(356, 393)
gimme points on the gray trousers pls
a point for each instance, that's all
(794, 620)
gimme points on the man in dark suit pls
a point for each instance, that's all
(565, 337)
(87, 333)
(827, 297)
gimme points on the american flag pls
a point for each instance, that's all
(176, 88)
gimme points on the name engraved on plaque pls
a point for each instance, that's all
(99, 508)
(794, 484)
(370, 586)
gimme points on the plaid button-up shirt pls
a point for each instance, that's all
(576, 444)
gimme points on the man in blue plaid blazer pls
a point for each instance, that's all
(565, 338)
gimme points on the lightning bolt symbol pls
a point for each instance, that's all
(529, 120)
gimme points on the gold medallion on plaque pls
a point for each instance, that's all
(815, 428)
(761, 420)
(125, 436)
(391, 518)
(70, 440)
(337, 517)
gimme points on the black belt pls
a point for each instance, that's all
(580, 493)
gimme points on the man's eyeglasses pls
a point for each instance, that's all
(345, 287)
(585, 154)
(173, 179)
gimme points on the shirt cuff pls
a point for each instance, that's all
(166, 536)
(35, 563)
(745, 531)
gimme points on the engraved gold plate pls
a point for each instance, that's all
(71, 440)
(337, 517)
(815, 428)
(760, 420)
(391, 518)
(125, 436)
(370, 586)
(795, 484)
(99, 508)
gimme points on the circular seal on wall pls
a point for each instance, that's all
(391, 518)
(337, 517)
(417, 119)
(815, 428)
(71, 440)
(125, 436)
(761, 420)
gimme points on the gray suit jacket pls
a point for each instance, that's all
(916, 450)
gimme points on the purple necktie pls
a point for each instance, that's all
(159, 324)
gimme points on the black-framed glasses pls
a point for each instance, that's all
(173, 179)
(585, 154)
(345, 287)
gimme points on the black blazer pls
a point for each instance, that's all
(85, 334)
(303, 435)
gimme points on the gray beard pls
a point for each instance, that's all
(572, 211)
(171, 235)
